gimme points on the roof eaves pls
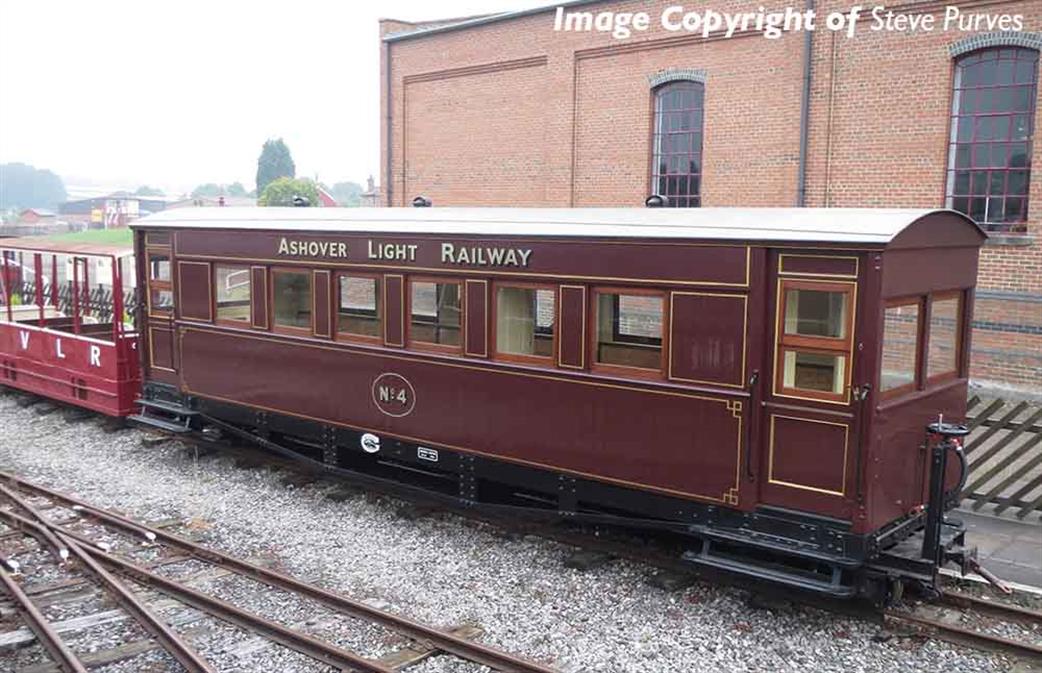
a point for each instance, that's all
(482, 20)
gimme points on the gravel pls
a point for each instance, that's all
(443, 570)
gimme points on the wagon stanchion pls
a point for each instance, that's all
(5, 281)
(38, 271)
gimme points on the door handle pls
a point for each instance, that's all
(751, 387)
(860, 394)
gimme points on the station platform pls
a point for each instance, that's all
(1009, 548)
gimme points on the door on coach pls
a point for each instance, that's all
(159, 310)
(809, 415)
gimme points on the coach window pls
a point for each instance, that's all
(358, 307)
(291, 301)
(901, 330)
(435, 314)
(942, 360)
(815, 339)
(160, 289)
(233, 293)
(525, 319)
(629, 330)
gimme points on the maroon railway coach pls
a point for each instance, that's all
(756, 379)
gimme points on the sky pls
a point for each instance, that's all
(176, 93)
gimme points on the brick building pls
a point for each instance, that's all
(504, 110)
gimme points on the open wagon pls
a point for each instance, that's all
(66, 322)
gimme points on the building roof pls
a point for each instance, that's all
(831, 225)
(40, 212)
(325, 199)
(450, 24)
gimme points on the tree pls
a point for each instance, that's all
(274, 162)
(23, 186)
(346, 193)
(145, 190)
(209, 189)
(212, 190)
(282, 191)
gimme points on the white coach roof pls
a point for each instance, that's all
(834, 225)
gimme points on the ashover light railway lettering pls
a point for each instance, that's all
(484, 256)
(462, 255)
(312, 248)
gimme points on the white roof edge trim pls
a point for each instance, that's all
(839, 225)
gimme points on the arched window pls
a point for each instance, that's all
(676, 160)
(993, 117)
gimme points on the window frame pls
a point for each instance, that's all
(542, 360)
(654, 134)
(381, 308)
(288, 329)
(814, 344)
(154, 284)
(658, 373)
(444, 349)
(918, 301)
(230, 322)
(956, 113)
(960, 308)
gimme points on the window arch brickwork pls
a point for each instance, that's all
(997, 39)
(677, 75)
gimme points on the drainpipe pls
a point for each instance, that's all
(387, 121)
(801, 176)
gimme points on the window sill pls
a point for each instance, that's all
(1010, 240)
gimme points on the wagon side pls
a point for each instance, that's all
(66, 331)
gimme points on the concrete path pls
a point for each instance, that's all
(1009, 548)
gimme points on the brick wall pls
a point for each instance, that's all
(512, 113)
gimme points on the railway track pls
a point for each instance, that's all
(84, 538)
(970, 620)
(942, 618)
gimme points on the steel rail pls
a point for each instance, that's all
(46, 535)
(446, 642)
(301, 642)
(163, 634)
(18, 500)
(998, 609)
(66, 660)
(312, 647)
(963, 636)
